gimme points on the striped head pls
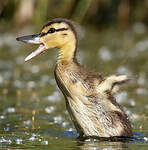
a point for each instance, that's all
(58, 33)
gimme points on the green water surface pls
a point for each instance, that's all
(32, 109)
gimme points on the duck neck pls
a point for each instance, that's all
(67, 52)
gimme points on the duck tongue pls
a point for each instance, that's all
(38, 51)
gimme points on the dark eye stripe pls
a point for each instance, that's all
(61, 29)
(56, 30)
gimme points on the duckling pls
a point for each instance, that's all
(88, 95)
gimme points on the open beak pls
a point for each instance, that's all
(34, 39)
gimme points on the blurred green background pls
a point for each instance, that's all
(115, 41)
(102, 13)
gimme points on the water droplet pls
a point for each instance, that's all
(122, 70)
(45, 142)
(28, 122)
(105, 54)
(141, 91)
(35, 69)
(58, 119)
(49, 109)
(139, 28)
(65, 124)
(121, 97)
(141, 80)
(54, 97)
(10, 110)
(18, 84)
(145, 138)
(132, 102)
(1, 79)
(2, 117)
(19, 141)
(31, 84)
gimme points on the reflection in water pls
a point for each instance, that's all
(102, 145)
(113, 143)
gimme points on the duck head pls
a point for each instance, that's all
(58, 33)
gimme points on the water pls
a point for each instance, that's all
(32, 110)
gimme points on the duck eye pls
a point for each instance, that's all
(51, 30)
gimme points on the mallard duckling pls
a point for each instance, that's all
(89, 96)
